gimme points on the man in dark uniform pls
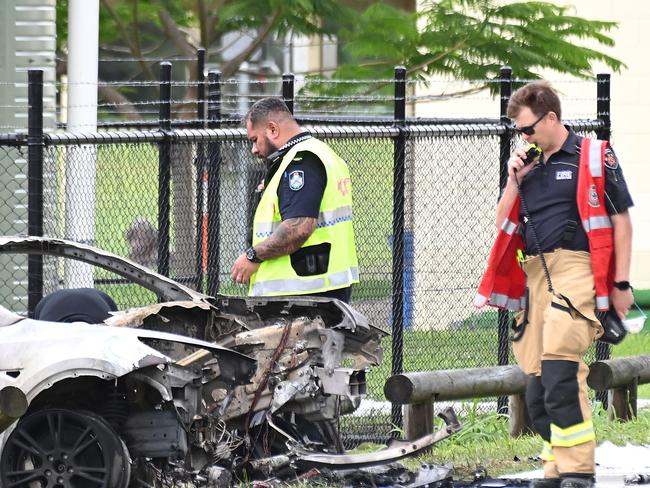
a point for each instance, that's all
(309, 182)
(566, 221)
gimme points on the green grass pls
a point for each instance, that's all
(129, 296)
(127, 187)
(485, 441)
(642, 298)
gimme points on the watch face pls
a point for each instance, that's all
(251, 255)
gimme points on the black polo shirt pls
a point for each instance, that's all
(550, 194)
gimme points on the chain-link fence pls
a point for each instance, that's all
(180, 201)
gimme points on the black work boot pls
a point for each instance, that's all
(577, 481)
(545, 483)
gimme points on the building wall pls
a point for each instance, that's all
(28, 41)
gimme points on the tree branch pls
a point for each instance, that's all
(133, 47)
(211, 21)
(175, 33)
(203, 21)
(231, 67)
(136, 39)
(123, 105)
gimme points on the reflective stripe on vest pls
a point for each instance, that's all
(508, 227)
(600, 222)
(343, 277)
(272, 287)
(286, 286)
(574, 435)
(595, 220)
(595, 159)
(325, 219)
(501, 300)
(602, 303)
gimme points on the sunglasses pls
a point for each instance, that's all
(529, 130)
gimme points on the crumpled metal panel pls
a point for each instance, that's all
(165, 287)
(135, 317)
(35, 354)
(7, 317)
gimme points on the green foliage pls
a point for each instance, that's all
(135, 24)
(292, 16)
(472, 39)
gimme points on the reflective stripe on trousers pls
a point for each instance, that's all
(547, 452)
(574, 435)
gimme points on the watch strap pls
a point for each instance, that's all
(251, 255)
(622, 285)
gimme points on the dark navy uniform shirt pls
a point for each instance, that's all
(550, 194)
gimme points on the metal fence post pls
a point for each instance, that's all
(399, 167)
(200, 168)
(603, 105)
(214, 184)
(35, 144)
(200, 86)
(288, 93)
(603, 113)
(164, 167)
(505, 91)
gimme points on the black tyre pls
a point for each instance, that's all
(56, 448)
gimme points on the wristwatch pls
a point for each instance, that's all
(623, 285)
(251, 255)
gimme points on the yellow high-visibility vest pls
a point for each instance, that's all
(277, 276)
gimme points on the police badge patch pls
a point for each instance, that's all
(610, 159)
(593, 197)
(296, 180)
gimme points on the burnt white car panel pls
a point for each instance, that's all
(189, 384)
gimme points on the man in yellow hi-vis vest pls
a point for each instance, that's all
(303, 239)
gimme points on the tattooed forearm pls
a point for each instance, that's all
(287, 238)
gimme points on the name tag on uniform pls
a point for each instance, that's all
(563, 175)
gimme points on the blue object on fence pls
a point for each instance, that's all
(408, 277)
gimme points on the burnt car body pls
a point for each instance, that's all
(188, 390)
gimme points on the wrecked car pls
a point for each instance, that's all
(193, 389)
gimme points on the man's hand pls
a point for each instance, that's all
(516, 164)
(243, 269)
(516, 172)
(621, 300)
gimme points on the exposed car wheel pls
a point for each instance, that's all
(57, 448)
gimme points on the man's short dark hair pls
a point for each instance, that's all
(538, 96)
(264, 107)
